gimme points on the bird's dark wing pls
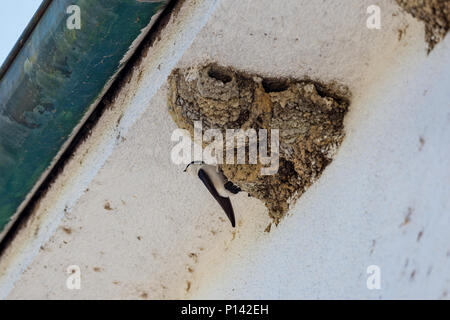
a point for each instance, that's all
(232, 188)
(225, 203)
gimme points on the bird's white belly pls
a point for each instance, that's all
(217, 179)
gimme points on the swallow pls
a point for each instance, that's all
(217, 185)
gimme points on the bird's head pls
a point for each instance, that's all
(193, 167)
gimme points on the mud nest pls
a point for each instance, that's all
(308, 114)
(434, 13)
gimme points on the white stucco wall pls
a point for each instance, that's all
(383, 201)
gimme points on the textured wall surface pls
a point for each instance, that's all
(139, 228)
